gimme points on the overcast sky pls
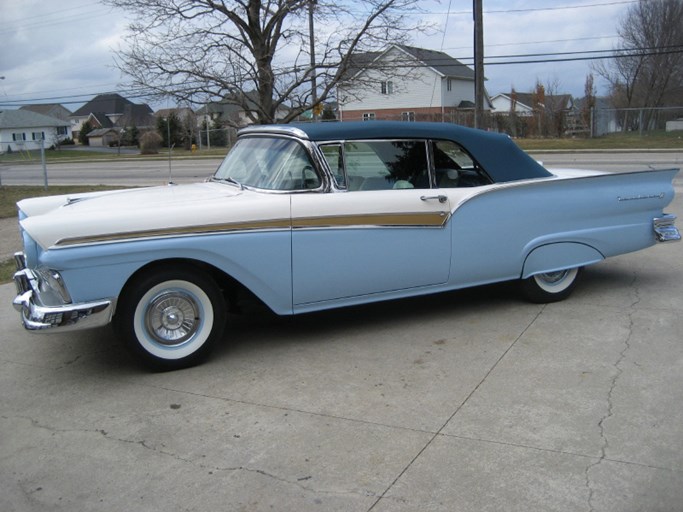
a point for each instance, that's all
(63, 51)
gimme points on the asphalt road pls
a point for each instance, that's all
(156, 171)
(111, 172)
(469, 401)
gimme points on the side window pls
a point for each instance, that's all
(386, 165)
(333, 155)
(296, 172)
(453, 167)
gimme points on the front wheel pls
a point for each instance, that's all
(171, 318)
(550, 286)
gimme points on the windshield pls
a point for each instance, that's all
(268, 163)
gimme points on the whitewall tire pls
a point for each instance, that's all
(171, 318)
(550, 286)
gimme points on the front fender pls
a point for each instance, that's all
(559, 256)
(261, 261)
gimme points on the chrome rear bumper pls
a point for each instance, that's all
(36, 316)
(665, 231)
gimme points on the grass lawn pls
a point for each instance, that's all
(613, 141)
(7, 269)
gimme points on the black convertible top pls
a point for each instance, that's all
(497, 154)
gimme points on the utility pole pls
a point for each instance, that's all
(478, 63)
(168, 135)
(314, 85)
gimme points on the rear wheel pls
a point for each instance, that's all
(550, 286)
(171, 318)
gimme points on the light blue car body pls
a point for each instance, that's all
(330, 246)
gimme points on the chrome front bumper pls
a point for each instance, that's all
(36, 316)
(665, 231)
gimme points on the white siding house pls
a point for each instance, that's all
(23, 130)
(503, 104)
(405, 83)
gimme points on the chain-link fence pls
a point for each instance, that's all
(641, 120)
(216, 137)
(565, 123)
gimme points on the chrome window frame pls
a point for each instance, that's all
(343, 143)
(478, 167)
(293, 134)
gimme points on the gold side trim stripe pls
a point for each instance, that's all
(429, 220)
(180, 231)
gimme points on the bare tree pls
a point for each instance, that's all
(255, 54)
(647, 70)
(588, 104)
(555, 107)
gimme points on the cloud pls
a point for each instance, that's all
(66, 49)
(58, 49)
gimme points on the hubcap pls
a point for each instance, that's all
(553, 277)
(172, 318)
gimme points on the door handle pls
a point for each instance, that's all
(442, 199)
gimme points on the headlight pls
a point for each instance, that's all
(52, 288)
(31, 250)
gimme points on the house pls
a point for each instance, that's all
(105, 136)
(23, 130)
(112, 111)
(532, 113)
(233, 111)
(185, 115)
(406, 83)
(525, 104)
(50, 110)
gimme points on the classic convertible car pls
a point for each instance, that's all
(316, 216)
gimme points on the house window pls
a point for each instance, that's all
(407, 116)
(387, 87)
(61, 130)
(18, 136)
(449, 85)
(38, 136)
(369, 116)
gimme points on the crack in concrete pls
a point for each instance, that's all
(613, 384)
(298, 482)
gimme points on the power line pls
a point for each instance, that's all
(531, 9)
(570, 40)
(561, 7)
(617, 51)
(57, 21)
(139, 93)
(547, 61)
(46, 14)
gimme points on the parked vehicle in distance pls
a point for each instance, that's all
(317, 216)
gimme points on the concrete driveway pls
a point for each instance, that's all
(470, 401)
